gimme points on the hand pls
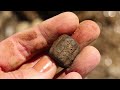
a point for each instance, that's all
(24, 55)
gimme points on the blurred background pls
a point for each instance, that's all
(108, 43)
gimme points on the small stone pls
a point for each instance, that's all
(64, 50)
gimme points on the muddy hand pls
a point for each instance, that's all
(18, 58)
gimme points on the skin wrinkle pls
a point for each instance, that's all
(27, 46)
(23, 46)
(11, 50)
(34, 44)
(23, 50)
(15, 75)
(48, 33)
(37, 46)
(19, 74)
(26, 38)
(40, 36)
(18, 58)
(12, 75)
(43, 31)
(9, 45)
(8, 49)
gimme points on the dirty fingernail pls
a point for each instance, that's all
(43, 65)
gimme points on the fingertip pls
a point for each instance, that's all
(94, 52)
(70, 22)
(68, 13)
(94, 26)
(87, 32)
(72, 75)
(86, 61)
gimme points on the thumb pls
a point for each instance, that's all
(46, 68)
(43, 69)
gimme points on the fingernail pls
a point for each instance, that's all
(43, 65)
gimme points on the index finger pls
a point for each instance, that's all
(20, 47)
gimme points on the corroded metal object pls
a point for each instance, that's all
(64, 50)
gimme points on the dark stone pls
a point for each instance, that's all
(64, 50)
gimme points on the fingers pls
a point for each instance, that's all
(86, 61)
(22, 46)
(72, 75)
(86, 33)
(43, 69)
(89, 57)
